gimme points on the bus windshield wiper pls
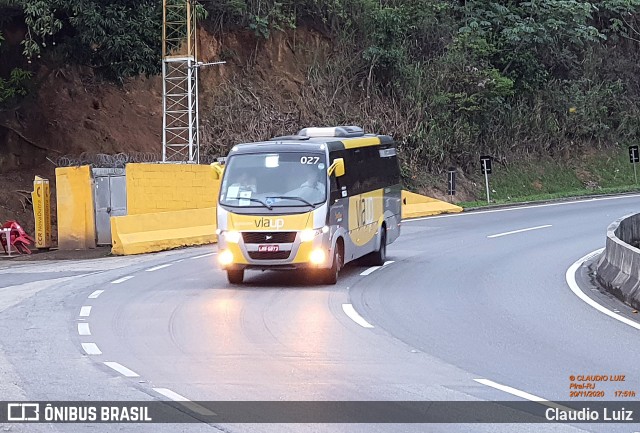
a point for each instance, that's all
(268, 206)
(290, 197)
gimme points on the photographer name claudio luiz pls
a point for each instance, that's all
(587, 414)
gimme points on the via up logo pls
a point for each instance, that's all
(269, 223)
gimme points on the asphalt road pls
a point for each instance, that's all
(469, 304)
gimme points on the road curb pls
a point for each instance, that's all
(618, 269)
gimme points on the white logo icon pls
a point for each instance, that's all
(23, 412)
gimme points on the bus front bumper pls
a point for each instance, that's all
(298, 255)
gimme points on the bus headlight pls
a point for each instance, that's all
(317, 256)
(307, 235)
(225, 257)
(232, 236)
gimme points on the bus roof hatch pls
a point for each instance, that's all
(334, 131)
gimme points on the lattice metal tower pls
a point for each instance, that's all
(180, 140)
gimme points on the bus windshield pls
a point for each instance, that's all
(275, 179)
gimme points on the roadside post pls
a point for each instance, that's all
(485, 162)
(451, 175)
(634, 158)
(41, 199)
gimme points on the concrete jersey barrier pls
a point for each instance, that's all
(417, 205)
(618, 268)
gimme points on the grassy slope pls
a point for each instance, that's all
(597, 173)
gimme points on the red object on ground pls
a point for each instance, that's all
(18, 238)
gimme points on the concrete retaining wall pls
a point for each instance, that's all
(168, 206)
(170, 187)
(618, 268)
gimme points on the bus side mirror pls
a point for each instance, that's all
(217, 170)
(337, 167)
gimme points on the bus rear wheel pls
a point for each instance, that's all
(235, 276)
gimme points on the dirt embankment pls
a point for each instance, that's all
(71, 111)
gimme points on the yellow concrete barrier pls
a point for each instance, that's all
(416, 205)
(76, 216)
(153, 188)
(149, 232)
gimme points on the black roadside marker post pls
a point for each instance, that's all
(452, 182)
(485, 162)
(634, 158)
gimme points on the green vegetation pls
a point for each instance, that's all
(118, 38)
(602, 173)
(516, 79)
(451, 79)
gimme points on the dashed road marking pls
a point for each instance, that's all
(187, 403)
(95, 294)
(85, 311)
(370, 270)
(353, 315)
(155, 268)
(519, 231)
(122, 280)
(202, 255)
(91, 349)
(121, 369)
(388, 262)
(83, 329)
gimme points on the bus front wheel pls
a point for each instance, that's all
(379, 257)
(331, 274)
(235, 276)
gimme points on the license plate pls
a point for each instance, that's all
(268, 248)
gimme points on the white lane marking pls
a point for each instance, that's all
(515, 208)
(573, 285)
(95, 294)
(85, 311)
(122, 280)
(388, 262)
(83, 329)
(521, 394)
(155, 268)
(91, 349)
(121, 369)
(353, 315)
(519, 231)
(370, 270)
(170, 394)
(189, 404)
(202, 255)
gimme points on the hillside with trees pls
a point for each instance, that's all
(520, 80)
